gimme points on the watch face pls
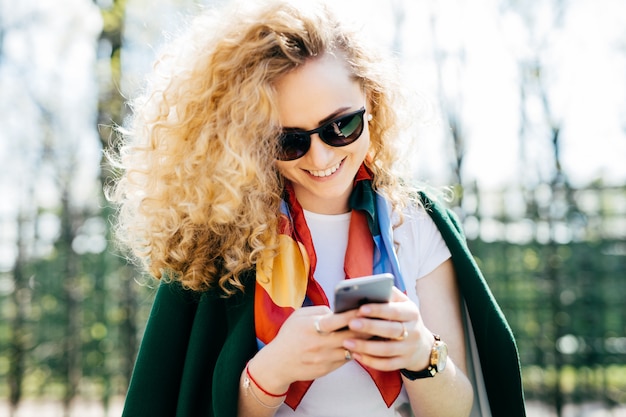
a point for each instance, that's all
(442, 356)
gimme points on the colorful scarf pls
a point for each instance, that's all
(285, 283)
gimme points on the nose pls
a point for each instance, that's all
(320, 154)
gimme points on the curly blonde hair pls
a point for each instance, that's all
(198, 197)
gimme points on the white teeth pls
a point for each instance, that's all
(326, 172)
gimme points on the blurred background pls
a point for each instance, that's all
(524, 106)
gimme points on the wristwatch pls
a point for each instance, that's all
(438, 360)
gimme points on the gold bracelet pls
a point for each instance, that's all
(246, 387)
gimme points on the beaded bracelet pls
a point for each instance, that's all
(246, 385)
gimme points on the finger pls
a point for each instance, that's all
(388, 311)
(317, 325)
(380, 363)
(381, 354)
(386, 329)
(338, 321)
(327, 326)
(313, 311)
(401, 310)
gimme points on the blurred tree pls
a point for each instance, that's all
(20, 293)
(48, 165)
(72, 298)
(111, 113)
(449, 62)
(20, 297)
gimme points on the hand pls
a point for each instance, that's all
(300, 352)
(406, 342)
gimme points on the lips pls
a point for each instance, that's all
(327, 172)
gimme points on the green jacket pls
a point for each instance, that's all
(196, 345)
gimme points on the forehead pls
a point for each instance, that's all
(315, 90)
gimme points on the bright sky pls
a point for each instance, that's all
(48, 59)
(48, 104)
(583, 60)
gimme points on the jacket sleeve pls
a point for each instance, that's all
(193, 351)
(498, 353)
(156, 378)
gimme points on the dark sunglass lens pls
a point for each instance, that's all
(344, 131)
(293, 145)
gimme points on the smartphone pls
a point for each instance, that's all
(354, 292)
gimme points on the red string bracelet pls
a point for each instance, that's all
(261, 388)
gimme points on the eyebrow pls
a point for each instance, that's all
(328, 118)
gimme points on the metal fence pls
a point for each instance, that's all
(555, 259)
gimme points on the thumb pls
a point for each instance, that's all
(397, 295)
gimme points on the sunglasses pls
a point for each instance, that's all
(342, 131)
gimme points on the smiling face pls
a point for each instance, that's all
(319, 91)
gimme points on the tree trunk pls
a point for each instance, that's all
(21, 298)
(73, 297)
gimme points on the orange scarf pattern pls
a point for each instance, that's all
(285, 283)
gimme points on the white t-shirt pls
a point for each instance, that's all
(349, 391)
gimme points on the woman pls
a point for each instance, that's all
(258, 175)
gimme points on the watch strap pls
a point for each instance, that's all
(429, 372)
(424, 373)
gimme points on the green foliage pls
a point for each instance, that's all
(578, 384)
(101, 289)
(569, 327)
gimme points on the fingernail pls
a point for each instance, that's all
(349, 344)
(366, 310)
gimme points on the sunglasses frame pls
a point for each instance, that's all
(320, 132)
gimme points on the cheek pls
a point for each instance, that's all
(284, 168)
(365, 148)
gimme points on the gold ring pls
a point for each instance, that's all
(404, 334)
(347, 354)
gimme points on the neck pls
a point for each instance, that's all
(338, 204)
